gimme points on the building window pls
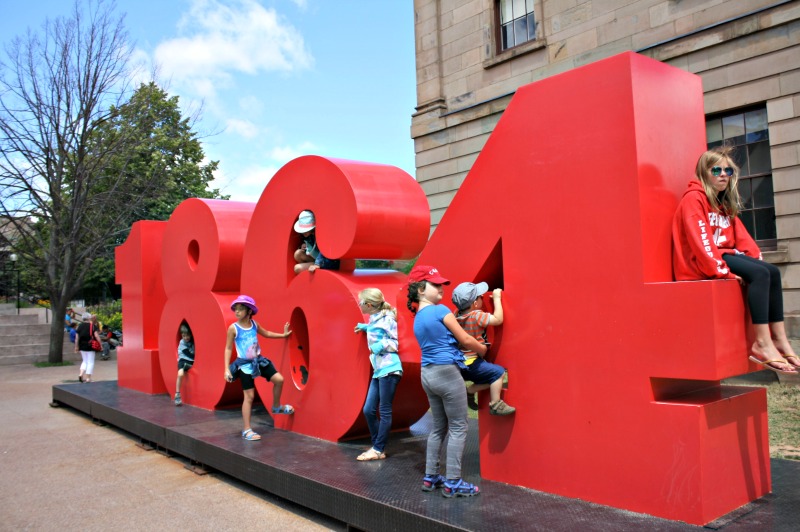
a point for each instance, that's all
(748, 132)
(517, 22)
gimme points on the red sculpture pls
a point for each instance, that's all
(614, 369)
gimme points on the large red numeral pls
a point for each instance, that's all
(362, 211)
(613, 368)
(610, 364)
(202, 253)
(138, 270)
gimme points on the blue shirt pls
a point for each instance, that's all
(437, 343)
(247, 347)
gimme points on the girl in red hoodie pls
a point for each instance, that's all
(711, 242)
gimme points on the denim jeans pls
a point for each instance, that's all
(379, 403)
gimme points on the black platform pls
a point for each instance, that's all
(384, 495)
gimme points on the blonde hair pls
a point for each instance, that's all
(730, 203)
(374, 298)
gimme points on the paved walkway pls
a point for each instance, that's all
(62, 472)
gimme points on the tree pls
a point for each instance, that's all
(79, 156)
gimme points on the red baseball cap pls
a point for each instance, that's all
(421, 272)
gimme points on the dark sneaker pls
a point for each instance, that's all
(459, 488)
(178, 401)
(432, 482)
(472, 402)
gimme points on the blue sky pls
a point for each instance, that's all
(277, 78)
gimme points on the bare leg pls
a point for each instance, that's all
(765, 350)
(178, 382)
(247, 406)
(277, 388)
(778, 333)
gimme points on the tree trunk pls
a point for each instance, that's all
(56, 353)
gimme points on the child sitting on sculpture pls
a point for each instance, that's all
(249, 363)
(467, 297)
(185, 358)
(308, 256)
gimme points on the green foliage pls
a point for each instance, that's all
(399, 265)
(109, 314)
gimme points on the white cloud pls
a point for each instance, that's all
(302, 4)
(221, 38)
(284, 154)
(245, 128)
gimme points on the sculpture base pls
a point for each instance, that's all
(383, 494)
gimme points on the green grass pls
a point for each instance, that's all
(783, 407)
(53, 364)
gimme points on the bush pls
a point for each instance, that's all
(109, 314)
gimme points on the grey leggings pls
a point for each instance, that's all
(447, 396)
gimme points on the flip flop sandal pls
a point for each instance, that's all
(795, 364)
(766, 364)
(283, 409)
(372, 454)
(249, 435)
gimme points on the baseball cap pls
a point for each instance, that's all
(426, 273)
(466, 293)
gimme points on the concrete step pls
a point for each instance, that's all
(7, 329)
(22, 319)
(42, 338)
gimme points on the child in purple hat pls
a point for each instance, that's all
(249, 363)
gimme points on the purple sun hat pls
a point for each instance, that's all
(247, 301)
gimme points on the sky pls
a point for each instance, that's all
(276, 79)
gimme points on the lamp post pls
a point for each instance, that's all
(13, 257)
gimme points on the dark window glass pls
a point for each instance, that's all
(531, 27)
(747, 220)
(733, 129)
(507, 35)
(749, 132)
(520, 31)
(758, 155)
(746, 193)
(517, 22)
(765, 224)
(756, 125)
(762, 192)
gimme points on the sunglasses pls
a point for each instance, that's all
(716, 171)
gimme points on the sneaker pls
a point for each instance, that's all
(472, 402)
(500, 408)
(459, 488)
(178, 401)
(432, 482)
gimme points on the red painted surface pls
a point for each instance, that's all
(613, 368)
(138, 270)
(362, 211)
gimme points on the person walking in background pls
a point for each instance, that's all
(87, 331)
(387, 369)
(439, 336)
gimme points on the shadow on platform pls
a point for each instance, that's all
(384, 495)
